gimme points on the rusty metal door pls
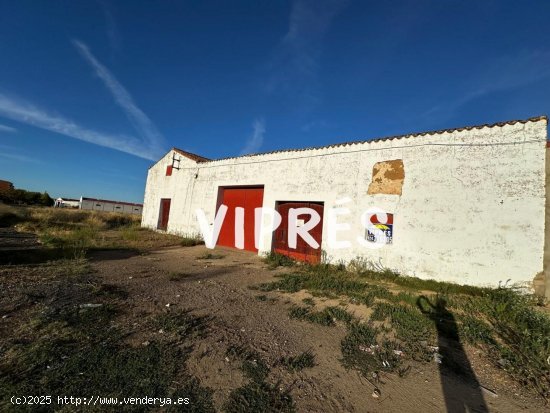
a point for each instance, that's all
(303, 251)
(164, 213)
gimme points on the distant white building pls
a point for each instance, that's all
(110, 206)
(66, 203)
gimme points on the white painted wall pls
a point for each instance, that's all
(106, 206)
(472, 209)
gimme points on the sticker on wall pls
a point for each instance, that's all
(387, 227)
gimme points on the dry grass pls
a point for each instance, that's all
(11, 215)
(81, 230)
(44, 218)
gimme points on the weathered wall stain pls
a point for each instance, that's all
(387, 177)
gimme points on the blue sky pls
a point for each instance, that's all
(91, 93)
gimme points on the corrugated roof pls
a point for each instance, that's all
(111, 202)
(192, 156)
(201, 159)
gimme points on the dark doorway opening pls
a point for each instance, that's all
(164, 213)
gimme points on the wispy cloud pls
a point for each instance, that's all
(501, 74)
(4, 128)
(314, 124)
(152, 138)
(110, 26)
(256, 140)
(27, 113)
(18, 157)
(296, 63)
(9, 152)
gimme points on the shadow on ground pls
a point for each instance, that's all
(464, 396)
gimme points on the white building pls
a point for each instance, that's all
(66, 203)
(110, 206)
(466, 205)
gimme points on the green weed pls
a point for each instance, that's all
(309, 301)
(299, 362)
(182, 324)
(274, 260)
(257, 395)
(191, 240)
(210, 256)
(524, 336)
(177, 276)
(130, 232)
(325, 317)
(475, 331)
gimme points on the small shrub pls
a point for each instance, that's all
(50, 240)
(291, 283)
(410, 324)
(252, 364)
(325, 317)
(210, 256)
(524, 336)
(183, 324)
(357, 348)
(299, 362)
(114, 220)
(475, 331)
(309, 301)
(190, 241)
(360, 265)
(298, 312)
(241, 352)
(255, 369)
(339, 314)
(362, 351)
(84, 236)
(275, 260)
(257, 395)
(130, 232)
(177, 276)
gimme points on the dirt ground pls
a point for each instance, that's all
(220, 289)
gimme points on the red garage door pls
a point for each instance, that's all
(247, 198)
(303, 251)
